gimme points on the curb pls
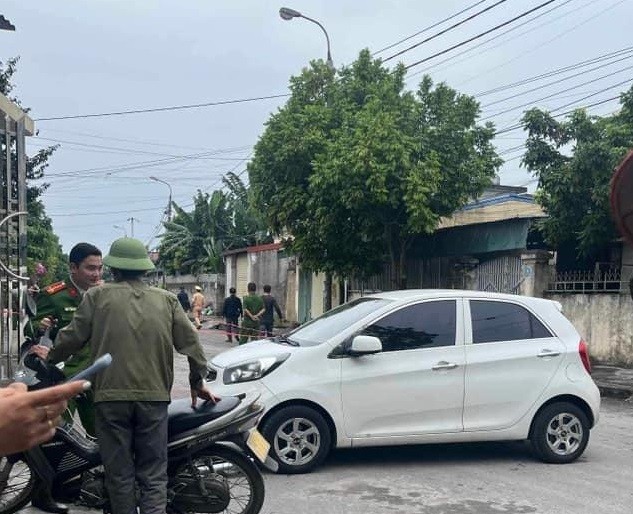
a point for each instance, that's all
(617, 392)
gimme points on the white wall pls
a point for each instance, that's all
(605, 321)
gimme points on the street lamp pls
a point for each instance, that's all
(156, 179)
(119, 227)
(288, 14)
(6, 24)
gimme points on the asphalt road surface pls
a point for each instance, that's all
(499, 478)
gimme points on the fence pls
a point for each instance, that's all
(14, 126)
(597, 281)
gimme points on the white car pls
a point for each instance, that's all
(419, 366)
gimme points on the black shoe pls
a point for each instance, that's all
(50, 505)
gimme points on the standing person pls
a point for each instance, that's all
(197, 304)
(232, 312)
(183, 298)
(56, 306)
(253, 309)
(270, 307)
(140, 326)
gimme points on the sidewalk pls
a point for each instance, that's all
(613, 381)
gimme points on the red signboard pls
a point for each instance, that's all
(622, 197)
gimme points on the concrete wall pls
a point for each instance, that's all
(605, 322)
(212, 286)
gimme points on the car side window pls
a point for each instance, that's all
(423, 325)
(504, 321)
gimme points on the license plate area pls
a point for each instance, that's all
(258, 445)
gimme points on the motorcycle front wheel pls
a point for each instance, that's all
(16, 483)
(236, 472)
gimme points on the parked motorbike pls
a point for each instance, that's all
(211, 453)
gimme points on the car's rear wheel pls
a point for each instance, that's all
(299, 438)
(560, 433)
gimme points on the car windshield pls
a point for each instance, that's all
(331, 323)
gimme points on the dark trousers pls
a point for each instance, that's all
(232, 328)
(267, 327)
(133, 445)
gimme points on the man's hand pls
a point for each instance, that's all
(46, 323)
(204, 394)
(29, 418)
(40, 350)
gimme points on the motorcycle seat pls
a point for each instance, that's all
(183, 418)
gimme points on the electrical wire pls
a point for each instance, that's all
(426, 29)
(164, 109)
(444, 31)
(482, 34)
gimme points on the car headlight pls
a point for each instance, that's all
(252, 370)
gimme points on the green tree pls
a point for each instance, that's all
(193, 241)
(42, 243)
(354, 167)
(574, 160)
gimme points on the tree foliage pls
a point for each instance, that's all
(42, 243)
(574, 160)
(354, 166)
(193, 241)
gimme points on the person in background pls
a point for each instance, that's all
(270, 307)
(197, 304)
(29, 418)
(232, 312)
(183, 298)
(253, 309)
(140, 326)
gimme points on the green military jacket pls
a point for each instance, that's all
(60, 301)
(139, 326)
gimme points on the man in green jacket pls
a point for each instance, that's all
(140, 326)
(253, 308)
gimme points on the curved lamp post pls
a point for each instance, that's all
(156, 179)
(119, 227)
(288, 14)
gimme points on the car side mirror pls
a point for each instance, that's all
(365, 345)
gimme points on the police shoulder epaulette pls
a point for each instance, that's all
(56, 287)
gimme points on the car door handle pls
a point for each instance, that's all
(444, 365)
(548, 353)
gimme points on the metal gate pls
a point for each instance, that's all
(14, 126)
(501, 274)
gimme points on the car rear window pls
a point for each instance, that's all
(504, 321)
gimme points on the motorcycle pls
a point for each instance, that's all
(211, 452)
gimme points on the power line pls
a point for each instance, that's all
(163, 109)
(496, 27)
(453, 59)
(442, 32)
(552, 95)
(426, 29)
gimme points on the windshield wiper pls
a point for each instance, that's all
(282, 339)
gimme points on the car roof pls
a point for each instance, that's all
(425, 294)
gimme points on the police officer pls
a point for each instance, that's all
(56, 306)
(140, 326)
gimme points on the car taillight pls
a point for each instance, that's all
(584, 355)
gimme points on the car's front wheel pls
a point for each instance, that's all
(299, 438)
(560, 433)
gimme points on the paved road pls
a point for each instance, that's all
(456, 479)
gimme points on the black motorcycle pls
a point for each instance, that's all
(210, 450)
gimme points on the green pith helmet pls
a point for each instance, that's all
(128, 253)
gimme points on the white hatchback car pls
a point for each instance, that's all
(419, 366)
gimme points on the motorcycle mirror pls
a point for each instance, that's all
(622, 197)
(30, 305)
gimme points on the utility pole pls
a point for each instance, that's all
(132, 220)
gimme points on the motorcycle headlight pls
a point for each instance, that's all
(252, 370)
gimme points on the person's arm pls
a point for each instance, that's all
(29, 418)
(46, 312)
(76, 334)
(277, 309)
(240, 311)
(186, 342)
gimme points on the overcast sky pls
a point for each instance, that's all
(101, 56)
